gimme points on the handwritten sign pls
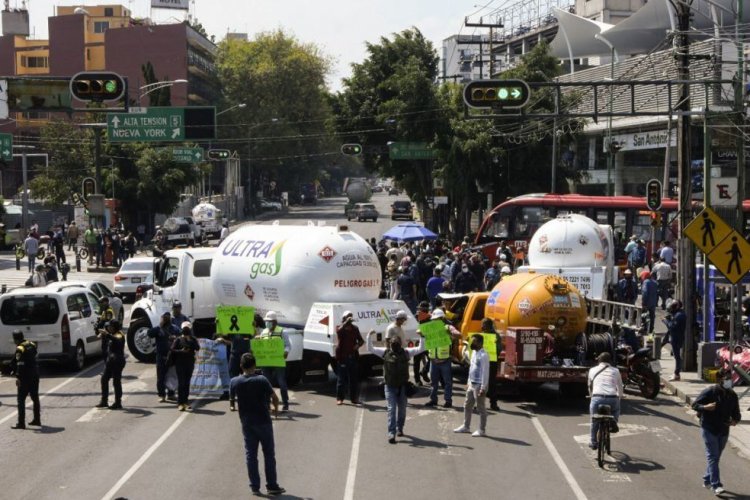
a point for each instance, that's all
(268, 352)
(435, 334)
(211, 373)
(235, 320)
(490, 345)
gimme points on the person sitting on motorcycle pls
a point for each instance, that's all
(605, 387)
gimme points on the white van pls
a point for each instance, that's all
(59, 318)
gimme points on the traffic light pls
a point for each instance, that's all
(653, 195)
(97, 86)
(655, 219)
(496, 94)
(88, 187)
(218, 154)
(351, 149)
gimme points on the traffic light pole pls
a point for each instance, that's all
(705, 318)
(98, 158)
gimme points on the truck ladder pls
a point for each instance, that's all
(608, 314)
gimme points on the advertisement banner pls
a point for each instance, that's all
(170, 4)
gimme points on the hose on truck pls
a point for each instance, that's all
(589, 346)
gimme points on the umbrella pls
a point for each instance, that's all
(409, 232)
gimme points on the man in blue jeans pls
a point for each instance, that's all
(273, 329)
(719, 409)
(605, 387)
(440, 364)
(253, 393)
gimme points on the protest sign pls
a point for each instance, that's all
(268, 352)
(211, 373)
(235, 319)
(435, 334)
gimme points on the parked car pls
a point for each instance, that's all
(363, 211)
(401, 210)
(132, 273)
(377, 189)
(265, 204)
(60, 318)
(100, 290)
(393, 190)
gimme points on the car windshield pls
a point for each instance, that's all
(29, 310)
(401, 204)
(137, 266)
(368, 207)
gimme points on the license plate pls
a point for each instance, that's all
(178, 236)
(655, 366)
(135, 280)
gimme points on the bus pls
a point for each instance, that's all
(516, 219)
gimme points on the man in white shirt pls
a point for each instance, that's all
(31, 247)
(666, 253)
(605, 387)
(476, 389)
(396, 329)
(224, 233)
(663, 272)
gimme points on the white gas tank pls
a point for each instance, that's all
(570, 241)
(288, 268)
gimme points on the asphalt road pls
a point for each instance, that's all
(535, 448)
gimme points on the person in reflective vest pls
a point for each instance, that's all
(440, 364)
(26, 370)
(273, 329)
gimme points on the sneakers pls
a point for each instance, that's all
(448, 404)
(285, 408)
(400, 433)
(478, 433)
(232, 407)
(674, 378)
(430, 404)
(256, 492)
(18, 426)
(719, 491)
(278, 490)
(461, 430)
(162, 399)
(182, 407)
(391, 439)
(707, 485)
(593, 446)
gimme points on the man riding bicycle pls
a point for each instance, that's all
(605, 387)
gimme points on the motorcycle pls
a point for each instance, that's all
(642, 369)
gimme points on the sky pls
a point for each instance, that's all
(339, 27)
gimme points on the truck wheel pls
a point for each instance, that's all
(141, 346)
(293, 373)
(77, 357)
(375, 219)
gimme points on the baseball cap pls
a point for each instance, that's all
(346, 313)
(401, 315)
(628, 272)
(438, 314)
(505, 270)
(186, 324)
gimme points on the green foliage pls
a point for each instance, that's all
(157, 96)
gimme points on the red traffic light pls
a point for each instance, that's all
(97, 86)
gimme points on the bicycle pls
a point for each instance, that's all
(606, 421)
(21, 252)
(82, 253)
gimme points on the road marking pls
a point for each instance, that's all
(577, 491)
(128, 389)
(351, 474)
(53, 390)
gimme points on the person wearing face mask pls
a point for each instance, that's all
(476, 389)
(719, 409)
(183, 352)
(273, 329)
(422, 360)
(465, 281)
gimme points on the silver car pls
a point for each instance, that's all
(134, 272)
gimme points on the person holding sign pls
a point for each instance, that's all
(476, 389)
(273, 330)
(183, 352)
(440, 355)
(163, 334)
(347, 353)
(492, 343)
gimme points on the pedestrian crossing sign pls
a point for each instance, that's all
(732, 257)
(707, 230)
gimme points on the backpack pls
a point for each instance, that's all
(395, 368)
(491, 277)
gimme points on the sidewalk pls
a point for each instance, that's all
(688, 388)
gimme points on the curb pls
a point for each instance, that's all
(742, 448)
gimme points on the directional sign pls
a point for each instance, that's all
(496, 94)
(411, 151)
(155, 125)
(707, 230)
(187, 155)
(6, 147)
(732, 257)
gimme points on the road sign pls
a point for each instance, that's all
(724, 191)
(707, 230)
(653, 194)
(732, 257)
(6, 147)
(187, 155)
(156, 124)
(411, 151)
(496, 94)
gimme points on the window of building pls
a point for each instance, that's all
(34, 62)
(101, 26)
(109, 12)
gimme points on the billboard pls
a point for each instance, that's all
(34, 94)
(170, 4)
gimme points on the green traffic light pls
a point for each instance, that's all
(110, 86)
(502, 93)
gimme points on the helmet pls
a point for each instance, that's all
(438, 314)
(270, 316)
(505, 270)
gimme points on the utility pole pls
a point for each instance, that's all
(739, 93)
(686, 251)
(491, 26)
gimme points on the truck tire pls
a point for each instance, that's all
(293, 373)
(77, 357)
(139, 344)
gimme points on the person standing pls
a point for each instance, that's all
(72, 236)
(273, 329)
(666, 252)
(114, 363)
(31, 247)
(627, 288)
(89, 237)
(253, 394)
(396, 375)
(605, 387)
(421, 362)
(407, 288)
(163, 334)
(663, 272)
(25, 368)
(650, 299)
(476, 389)
(489, 328)
(347, 355)
(465, 281)
(434, 285)
(395, 329)
(718, 408)
(177, 317)
(183, 352)
(224, 233)
(440, 364)
(676, 322)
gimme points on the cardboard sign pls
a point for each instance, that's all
(268, 352)
(235, 320)
(435, 334)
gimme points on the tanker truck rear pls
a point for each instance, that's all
(308, 274)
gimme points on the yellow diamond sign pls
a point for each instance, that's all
(732, 257)
(707, 230)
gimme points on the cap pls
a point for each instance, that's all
(176, 303)
(346, 314)
(505, 270)
(270, 316)
(401, 315)
(165, 313)
(186, 324)
(424, 306)
(628, 272)
(438, 314)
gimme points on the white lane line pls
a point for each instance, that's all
(351, 474)
(577, 491)
(53, 390)
(128, 389)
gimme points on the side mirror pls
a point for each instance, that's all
(75, 315)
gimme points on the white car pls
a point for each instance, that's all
(60, 318)
(100, 290)
(134, 272)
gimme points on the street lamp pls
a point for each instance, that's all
(151, 87)
(236, 106)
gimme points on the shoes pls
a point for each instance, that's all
(285, 408)
(448, 404)
(182, 407)
(391, 439)
(36, 422)
(461, 430)
(356, 402)
(430, 404)
(478, 433)
(493, 406)
(102, 404)
(707, 485)
(162, 399)
(719, 491)
(593, 446)
(674, 378)
(255, 491)
(232, 407)
(400, 433)
(18, 426)
(278, 490)
(116, 406)
(339, 402)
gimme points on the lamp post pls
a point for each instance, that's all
(152, 87)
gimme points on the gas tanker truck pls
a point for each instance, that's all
(309, 275)
(357, 191)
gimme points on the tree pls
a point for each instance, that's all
(157, 96)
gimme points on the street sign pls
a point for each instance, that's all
(440, 200)
(6, 147)
(653, 195)
(496, 94)
(707, 230)
(724, 191)
(411, 151)
(187, 155)
(156, 124)
(732, 257)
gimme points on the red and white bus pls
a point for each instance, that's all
(516, 219)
